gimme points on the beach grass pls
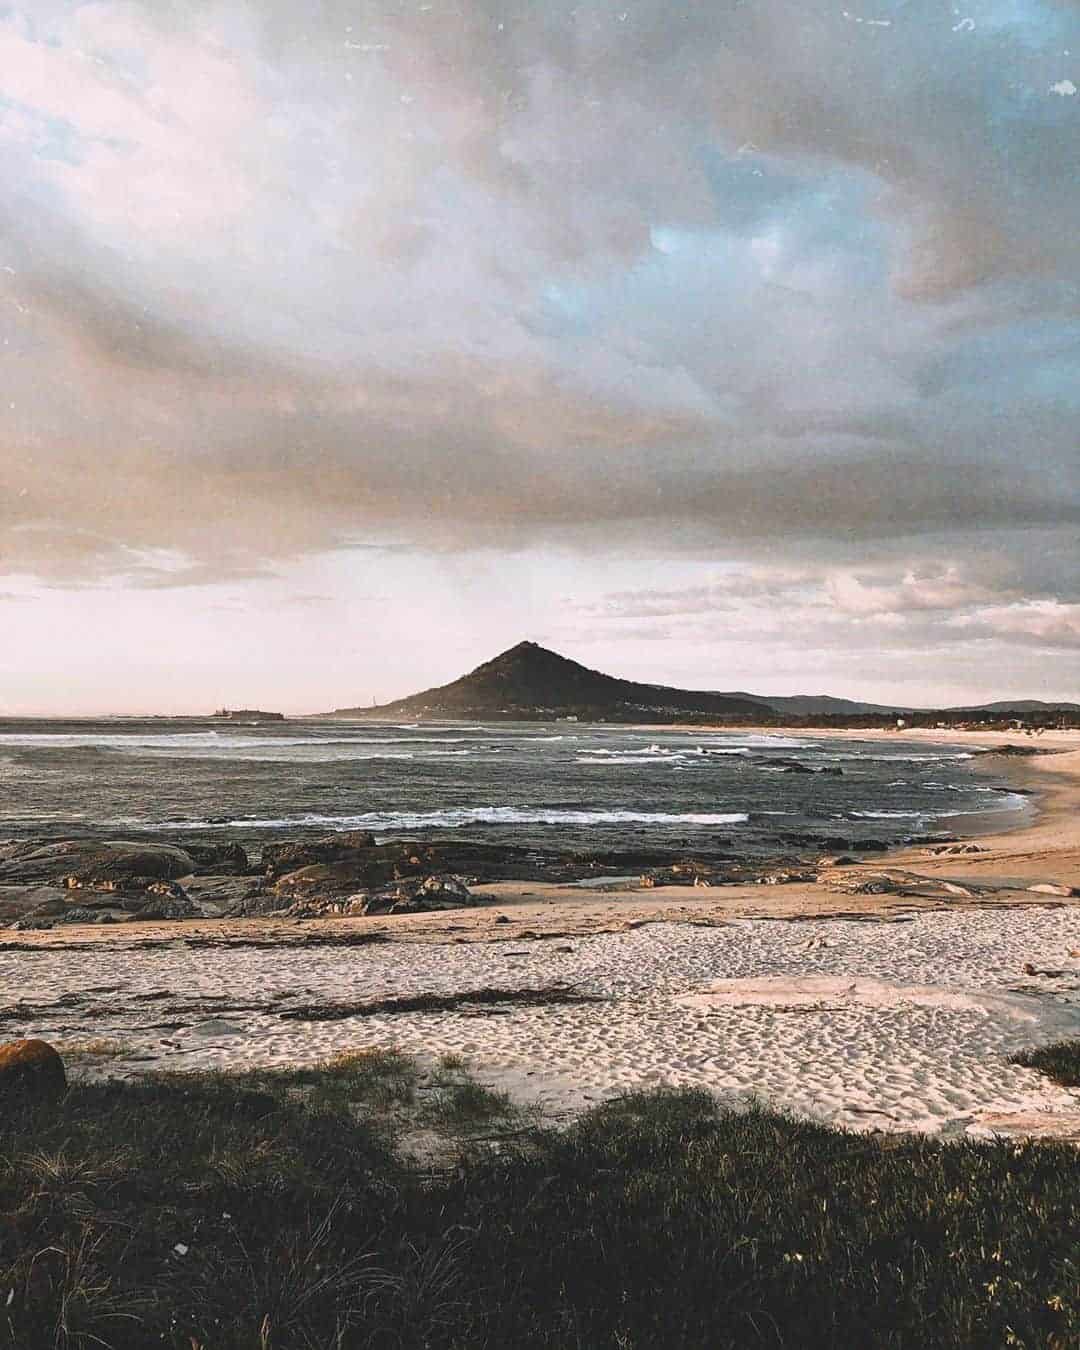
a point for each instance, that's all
(1060, 1061)
(282, 1211)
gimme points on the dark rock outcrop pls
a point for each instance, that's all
(20, 902)
(92, 862)
(420, 897)
(170, 905)
(226, 859)
(280, 859)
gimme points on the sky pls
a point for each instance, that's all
(342, 345)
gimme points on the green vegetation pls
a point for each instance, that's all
(1060, 1061)
(282, 1211)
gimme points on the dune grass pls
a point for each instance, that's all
(1060, 1061)
(278, 1211)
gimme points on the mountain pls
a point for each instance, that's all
(824, 705)
(1021, 705)
(528, 681)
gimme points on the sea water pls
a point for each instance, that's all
(567, 786)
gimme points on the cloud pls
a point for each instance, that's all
(689, 278)
(1039, 623)
(930, 607)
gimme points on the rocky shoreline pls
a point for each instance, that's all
(49, 883)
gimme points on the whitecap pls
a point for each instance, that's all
(458, 817)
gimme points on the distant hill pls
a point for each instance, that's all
(529, 681)
(1021, 705)
(823, 705)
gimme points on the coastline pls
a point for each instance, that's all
(1043, 850)
(888, 994)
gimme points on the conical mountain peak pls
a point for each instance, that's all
(529, 681)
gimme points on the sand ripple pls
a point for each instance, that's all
(896, 1026)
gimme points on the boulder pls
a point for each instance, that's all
(82, 862)
(30, 1071)
(257, 905)
(327, 908)
(80, 914)
(322, 880)
(170, 905)
(217, 895)
(280, 859)
(25, 902)
(420, 897)
(225, 859)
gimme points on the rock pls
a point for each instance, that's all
(1054, 888)
(170, 906)
(94, 863)
(420, 897)
(30, 1071)
(216, 895)
(869, 846)
(81, 914)
(33, 903)
(861, 884)
(281, 859)
(954, 888)
(797, 766)
(326, 907)
(257, 905)
(323, 880)
(225, 859)
(21, 902)
(444, 889)
(1010, 750)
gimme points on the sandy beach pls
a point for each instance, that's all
(886, 994)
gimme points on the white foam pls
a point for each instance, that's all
(457, 818)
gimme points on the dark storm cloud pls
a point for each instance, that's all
(499, 275)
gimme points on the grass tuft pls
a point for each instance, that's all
(275, 1211)
(1060, 1061)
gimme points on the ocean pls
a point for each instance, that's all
(563, 786)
